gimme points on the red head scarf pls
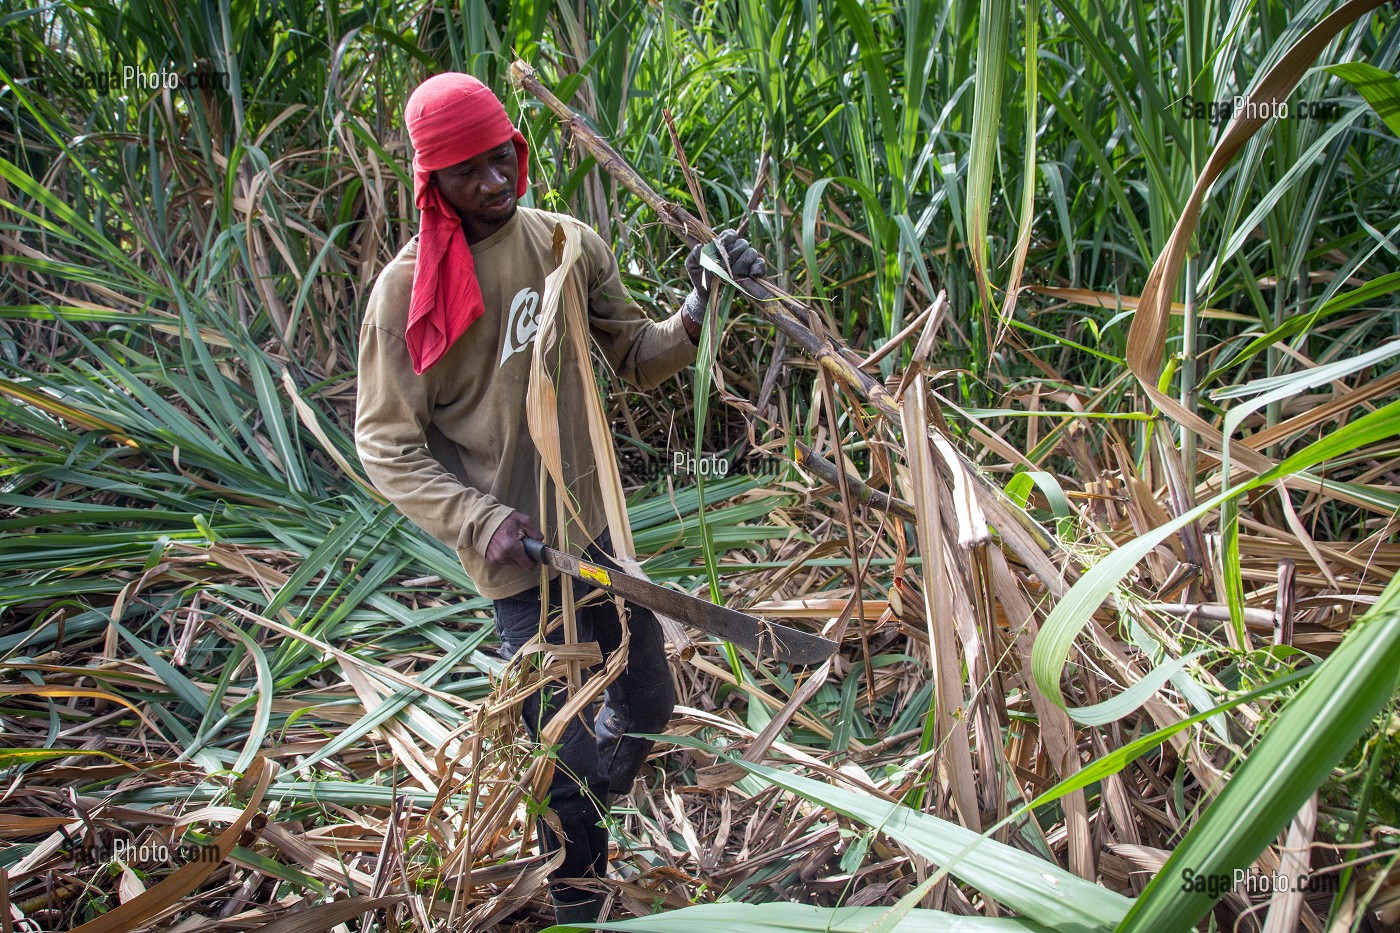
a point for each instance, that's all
(450, 117)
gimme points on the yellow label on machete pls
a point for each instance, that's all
(596, 574)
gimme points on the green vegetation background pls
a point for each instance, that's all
(184, 273)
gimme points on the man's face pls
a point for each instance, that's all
(481, 190)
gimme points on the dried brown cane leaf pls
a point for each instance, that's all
(323, 917)
(187, 878)
(1148, 332)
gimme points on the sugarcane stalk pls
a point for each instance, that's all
(800, 324)
(788, 314)
(826, 471)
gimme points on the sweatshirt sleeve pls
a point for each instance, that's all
(641, 351)
(392, 414)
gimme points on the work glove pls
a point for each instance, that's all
(505, 546)
(743, 261)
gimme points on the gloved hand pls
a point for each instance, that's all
(505, 547)
(743, 260)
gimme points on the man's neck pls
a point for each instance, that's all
(476, 231)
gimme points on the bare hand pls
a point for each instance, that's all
(505, 547)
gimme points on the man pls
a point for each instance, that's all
(440, 426)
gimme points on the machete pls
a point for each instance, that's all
(767, 639)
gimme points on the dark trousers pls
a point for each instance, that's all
(596, 755)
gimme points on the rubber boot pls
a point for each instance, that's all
(585, 911)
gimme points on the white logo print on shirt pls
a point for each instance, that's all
(521, 323)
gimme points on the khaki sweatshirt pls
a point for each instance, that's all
(451, 448)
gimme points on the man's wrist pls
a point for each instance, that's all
(693, 315)
(694, 307)
(486, 529)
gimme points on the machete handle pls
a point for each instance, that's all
(534, 549)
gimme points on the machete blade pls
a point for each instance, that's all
(766, 639)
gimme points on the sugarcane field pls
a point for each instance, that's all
(645, 465)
